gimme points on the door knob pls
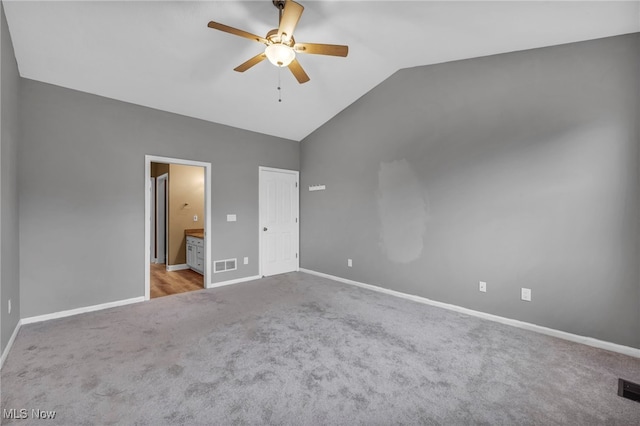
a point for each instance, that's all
(264, 229)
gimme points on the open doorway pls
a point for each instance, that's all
(177, 211)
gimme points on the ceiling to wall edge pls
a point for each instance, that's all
(331, 117)
(451, 62)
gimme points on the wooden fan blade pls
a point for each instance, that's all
(251, 62)
(298, 72)
(235, 31)
(321, 49)
(289, 21)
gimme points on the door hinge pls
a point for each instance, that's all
(296, 255)
(296, 220)
(296, 184)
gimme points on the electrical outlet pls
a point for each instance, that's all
(349, 263)
(195, 217)
(9, 306)
(482, 286)
(526, 294)
(246, 260)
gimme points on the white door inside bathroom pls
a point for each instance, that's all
(279, 227)
(161, 218)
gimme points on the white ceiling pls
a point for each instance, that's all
(162, 55)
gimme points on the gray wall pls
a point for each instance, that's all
(9, 134)
(520, 170)
(81, 183)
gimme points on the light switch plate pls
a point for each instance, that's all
(349, 263)
(195, 217)
(231, 218)
(526, 294)
(246, 260)
(482, 286)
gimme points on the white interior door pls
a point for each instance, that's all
(161, 218)
(279, 227)
(152, 244)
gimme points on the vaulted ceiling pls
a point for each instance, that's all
(161, 54)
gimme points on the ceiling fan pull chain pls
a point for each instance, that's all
(279, 86)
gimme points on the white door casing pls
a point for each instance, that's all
(148, 210)
(279, 223)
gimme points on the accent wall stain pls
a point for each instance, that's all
(402, 210)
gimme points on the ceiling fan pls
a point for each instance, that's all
(281, 46)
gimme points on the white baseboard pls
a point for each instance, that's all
(236, 281)
(171, 268)
(77, 311)
(5, 353)
(614, 347)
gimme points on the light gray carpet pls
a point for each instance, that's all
(299, 350)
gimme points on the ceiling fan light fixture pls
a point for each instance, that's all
(279, 54)
(281, 46)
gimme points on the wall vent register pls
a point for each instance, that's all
(225, 265)
(629, 390)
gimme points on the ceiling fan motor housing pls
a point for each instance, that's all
(274, 38)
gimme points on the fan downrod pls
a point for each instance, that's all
(279, 4)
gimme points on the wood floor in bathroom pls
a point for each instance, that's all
(164, 283)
